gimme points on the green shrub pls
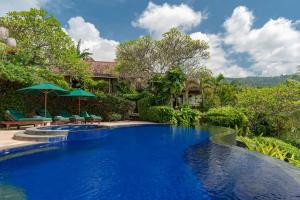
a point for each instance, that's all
(135, 96)
(186, 116)
(273, 147)
(96, 85)
(292, 137)
(115, 117)
(226, 116)
(161, 114)
(124, 87)
(143, 105)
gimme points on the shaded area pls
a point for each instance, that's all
(231, 173)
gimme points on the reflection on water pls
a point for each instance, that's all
(229, 173)
(8, 192)
(23, 153)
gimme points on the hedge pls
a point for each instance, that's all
(143, 105)
(184, 116)
(161, 114)
(226, 116)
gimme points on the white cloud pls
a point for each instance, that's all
(102, 49)
(158, 19)
(274, 47)
(19, 5)
(219, 61)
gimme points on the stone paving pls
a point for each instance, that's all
(7, 141)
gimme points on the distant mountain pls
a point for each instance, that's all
(263, 81)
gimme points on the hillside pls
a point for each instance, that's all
(263, 81)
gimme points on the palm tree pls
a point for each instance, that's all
(174, 80)
(84, 54)
(206, 84)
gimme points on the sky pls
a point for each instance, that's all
(246, 38)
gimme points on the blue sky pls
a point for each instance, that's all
(113, 17)
(247, 38)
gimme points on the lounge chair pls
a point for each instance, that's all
(89, 117)
(17, 118)
(72, 118)
(56, 119)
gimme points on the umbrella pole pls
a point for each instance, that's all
(45, 106)
(78, 105)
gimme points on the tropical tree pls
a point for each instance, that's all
(42, 42)
(269, 109)
(144, 57)
(168, 86)
(179, 49)
(227, 94)
(82, 54)
(137, 59)
(206, 87)
(174, 83)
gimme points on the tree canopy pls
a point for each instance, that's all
(41, 41)
(145, 56)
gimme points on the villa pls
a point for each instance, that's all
(100, 70)
(105, 70)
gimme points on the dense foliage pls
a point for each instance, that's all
(166, 87)
(41, 41)
(143, 57)
(273, 147)
(162, 114)
(27, 75)
(45, 53)
(269, 109)
(226, 116)
(184, 116)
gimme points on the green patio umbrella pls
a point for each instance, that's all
(44, 89)
(79, 93)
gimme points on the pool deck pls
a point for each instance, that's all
(7, 141)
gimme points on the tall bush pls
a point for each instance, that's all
(186, 116)
(226, 116)
(161, 114)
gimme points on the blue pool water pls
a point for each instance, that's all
(141, 163)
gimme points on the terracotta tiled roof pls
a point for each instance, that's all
(102, 68)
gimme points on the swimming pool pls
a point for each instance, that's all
(145, 162)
